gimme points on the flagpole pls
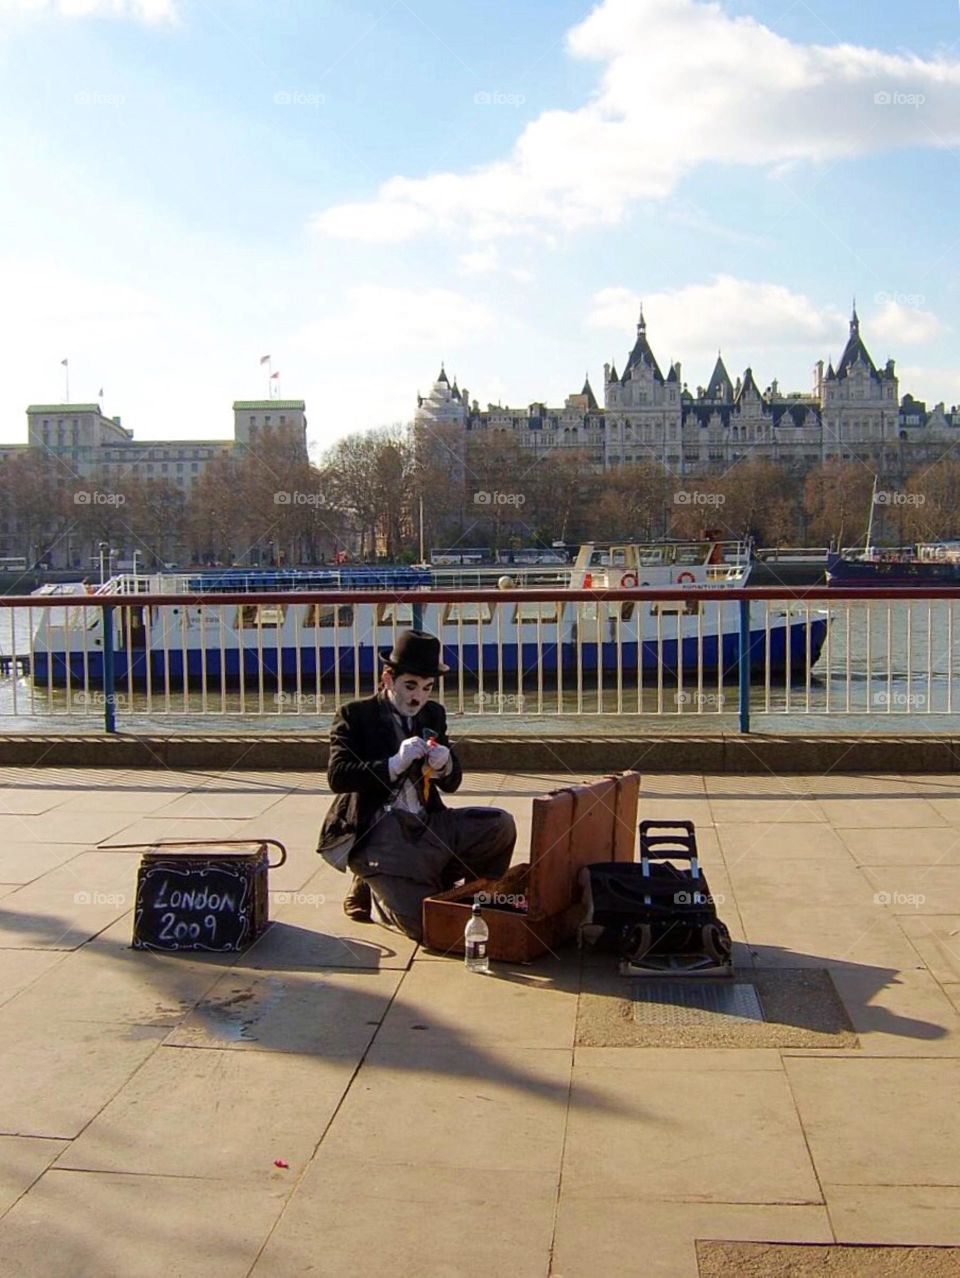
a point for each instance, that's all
(269, 373)
(66, 373)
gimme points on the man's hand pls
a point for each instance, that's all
(438, 756)
(410, 751)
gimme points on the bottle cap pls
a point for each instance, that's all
(476, 907)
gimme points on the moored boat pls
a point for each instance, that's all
(289, 641)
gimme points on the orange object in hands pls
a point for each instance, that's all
(427, 770)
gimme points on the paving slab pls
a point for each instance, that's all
(677, 808)
(57, 1077)
(832, 883)
(218, 1114)
(307, 934)
(27, 802)
(678, 1059)
(873, 1121)
(333, 1013)
(118, 985)
(23, 1159)
(910, 1015)
(668, 1141)
(90, 1225)
(936, 940)
(916, 889)
(513, 1006)
(906, 846)
(777, 841)
(895, 1214)
(209, 804)
(360, 1216)
(459, 1107)
(20, 968)
(127, 800)
(70, 904)
(22, 863)
(811, 934)
(86, 828)
(623, 1238)
(881, 812)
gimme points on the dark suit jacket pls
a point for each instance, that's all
(362, 739)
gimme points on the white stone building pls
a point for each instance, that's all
(853, 411)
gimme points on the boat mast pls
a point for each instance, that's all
(873, 506)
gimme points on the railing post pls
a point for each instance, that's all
(109, 696)
(744, 665)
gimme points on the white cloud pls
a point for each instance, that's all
(487, 261)
(903, 323)
(740, 316)
(149, 11)
(683, 83)
(482, 261)
(934, 385)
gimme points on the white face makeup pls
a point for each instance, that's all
(407, 691)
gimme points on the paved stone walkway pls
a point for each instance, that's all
(443, 1125)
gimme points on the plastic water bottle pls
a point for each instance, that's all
(475, 937)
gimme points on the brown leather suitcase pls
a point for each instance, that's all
(536, 906)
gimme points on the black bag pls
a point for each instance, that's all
(653, 912)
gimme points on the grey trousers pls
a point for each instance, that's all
(405, 860)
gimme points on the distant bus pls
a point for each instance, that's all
(13, 563)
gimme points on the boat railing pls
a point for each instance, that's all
(864, 654)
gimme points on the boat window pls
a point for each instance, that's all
(677, 608)
(536, 611)
(468, 612)
(691, 554)
(648, 556)
(253, 615)
(323, 615)
(401, 613)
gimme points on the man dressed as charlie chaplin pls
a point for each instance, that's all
(390, 761)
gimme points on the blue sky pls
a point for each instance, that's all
(364, 190)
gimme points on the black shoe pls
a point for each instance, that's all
(356, 904)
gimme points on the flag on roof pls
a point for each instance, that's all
(264, 359)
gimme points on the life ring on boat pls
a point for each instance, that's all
(627, 580)
(684, 577)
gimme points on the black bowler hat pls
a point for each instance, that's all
(415, 652)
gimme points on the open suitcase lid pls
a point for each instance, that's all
(577, 826)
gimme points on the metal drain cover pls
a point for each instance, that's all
(675, 1003)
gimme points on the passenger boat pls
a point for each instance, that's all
(926, 564)
(295, 642)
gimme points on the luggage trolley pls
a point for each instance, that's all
(659, 916)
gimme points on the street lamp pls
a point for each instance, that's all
(136, 556)
(102, 546)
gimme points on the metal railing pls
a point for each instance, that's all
(694, 650)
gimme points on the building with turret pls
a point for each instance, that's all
(852, 412)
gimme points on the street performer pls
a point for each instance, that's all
(390, 760)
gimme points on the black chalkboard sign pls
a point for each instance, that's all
(202, 898)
